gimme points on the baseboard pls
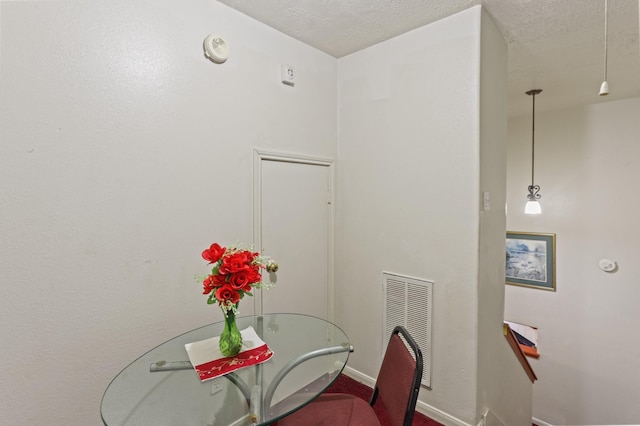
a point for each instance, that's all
(422, 407)
(439, 415)
(540, 422)
(358, 376)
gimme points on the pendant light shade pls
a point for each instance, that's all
(604, 87)
(533, 205)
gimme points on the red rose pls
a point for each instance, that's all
(254, 275)
(245, 256)
(226, 294)
(234, 263)
(208, 284)
(213, 253)
(241, 279)
(250, 256)
(219, 280)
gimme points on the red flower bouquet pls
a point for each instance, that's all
(234, 273)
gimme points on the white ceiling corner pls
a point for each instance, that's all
(554, 45)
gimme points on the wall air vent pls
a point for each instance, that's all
(407, 302)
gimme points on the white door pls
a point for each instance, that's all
(294, 220)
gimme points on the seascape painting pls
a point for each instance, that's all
(527, 259)
(530, 260)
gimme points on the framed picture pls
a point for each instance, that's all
(531, 260)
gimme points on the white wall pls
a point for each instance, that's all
(408, 201)
(504, 388)
(588, 166)
(124, 153)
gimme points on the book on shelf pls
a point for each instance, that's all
(527, 337)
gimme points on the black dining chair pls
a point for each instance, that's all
(397, 386)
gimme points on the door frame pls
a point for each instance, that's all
(260, 155)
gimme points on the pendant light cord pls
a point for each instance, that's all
(533, 138)
(606, 38)
(533, 189)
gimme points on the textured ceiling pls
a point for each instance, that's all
(555, 45)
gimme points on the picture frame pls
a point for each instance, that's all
(531, 260)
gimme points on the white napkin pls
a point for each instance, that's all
(208, 361)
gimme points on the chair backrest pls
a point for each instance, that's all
(398, 382)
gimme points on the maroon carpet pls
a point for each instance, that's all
(345, 384)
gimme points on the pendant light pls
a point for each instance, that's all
(533, 206)
(604, 87)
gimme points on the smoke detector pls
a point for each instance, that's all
(216, 48)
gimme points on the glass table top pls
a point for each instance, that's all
(308, 355)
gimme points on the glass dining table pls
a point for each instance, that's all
(162, 388)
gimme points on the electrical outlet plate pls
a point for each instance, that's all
(287, 74)
(216, 386)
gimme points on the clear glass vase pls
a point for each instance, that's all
(230, 339)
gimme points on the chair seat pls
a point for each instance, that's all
(333, 409)
(397, 387)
